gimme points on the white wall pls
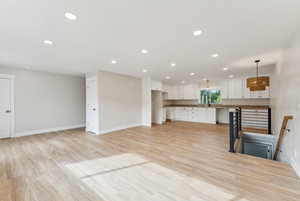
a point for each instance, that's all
(286, 100)
(120, 99)
(46, 101)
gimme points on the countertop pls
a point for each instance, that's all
(220, 106)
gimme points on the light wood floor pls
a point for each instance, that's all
(174, 162)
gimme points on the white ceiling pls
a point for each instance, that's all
(119, 29)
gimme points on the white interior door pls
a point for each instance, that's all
(92, 123)
(5, 108)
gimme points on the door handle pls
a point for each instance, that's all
(8, 111)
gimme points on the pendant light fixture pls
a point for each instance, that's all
(258, 83)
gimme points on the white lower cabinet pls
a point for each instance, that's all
(192, 114)
(211, 115)
(170, 113)
(180, 113)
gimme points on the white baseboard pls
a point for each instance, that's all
(118, 128)
(295, 166)
(48, 130)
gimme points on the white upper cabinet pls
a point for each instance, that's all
(197, 91)
(173, 93)
(156, 85)
(190, 91)
(264, 94)
(256, 94)
(223, 86)
(182, 92)
(165, 88)
(235, 88)
(168, 89)
(230, 89)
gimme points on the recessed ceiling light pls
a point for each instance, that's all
(48, 42)
(204, 79)
(225, 69)
(192, 74)
(114, 62)
(70, 16)
(168, 77)
(197, 33)
(231, 76)
(144, 51)
(182, 82)
(145, 70)
(215, 55)
(173, 64)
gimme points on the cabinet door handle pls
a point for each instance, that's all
(8, 111)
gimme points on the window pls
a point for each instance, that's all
(210, 96)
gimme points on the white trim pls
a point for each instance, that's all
(48, 130)
(295, 166)
(107, 131)
(12, 101)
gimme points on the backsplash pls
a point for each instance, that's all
(181, 102)
(260, 101)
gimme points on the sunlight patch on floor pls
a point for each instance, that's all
(129, 177)
(102, 165)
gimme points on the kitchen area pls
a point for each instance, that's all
(210, 102)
